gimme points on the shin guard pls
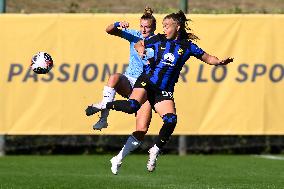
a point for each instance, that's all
(170, 121)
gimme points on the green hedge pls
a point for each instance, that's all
(80, 144)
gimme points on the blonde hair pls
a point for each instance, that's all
(148, 15)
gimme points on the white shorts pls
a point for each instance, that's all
(131, 80)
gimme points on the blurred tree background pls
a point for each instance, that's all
(134, 6)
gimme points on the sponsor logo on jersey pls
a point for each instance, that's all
(169, 58)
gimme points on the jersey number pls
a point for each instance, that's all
(167, 94)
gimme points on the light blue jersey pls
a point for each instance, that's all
(135, 67)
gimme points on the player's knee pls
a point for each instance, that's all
(113, 80)
(170, 120)
(133, 107)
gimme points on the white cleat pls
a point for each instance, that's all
(101, 124)
(115, 165)
(153, 154)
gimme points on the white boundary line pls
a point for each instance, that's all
(270, 157)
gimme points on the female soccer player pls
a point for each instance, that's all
(172, 50)
(123, 84)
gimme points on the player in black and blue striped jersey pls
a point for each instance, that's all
(170, 56)
(171, 50)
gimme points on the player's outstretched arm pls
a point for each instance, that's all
(112, 29)
(212, 60)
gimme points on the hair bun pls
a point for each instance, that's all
(148, 11)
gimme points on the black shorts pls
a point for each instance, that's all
(154, 94)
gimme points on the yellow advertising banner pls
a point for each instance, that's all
(245, 97)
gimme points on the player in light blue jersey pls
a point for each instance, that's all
(123, 83)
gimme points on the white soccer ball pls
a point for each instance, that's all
(41, 63)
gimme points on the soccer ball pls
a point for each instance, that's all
(41, 63)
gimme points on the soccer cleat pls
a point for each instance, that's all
(115, 165)
(153, 154)
(93, 109)
(102, 123)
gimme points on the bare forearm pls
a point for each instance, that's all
(209, 59)
(213, 60)
(111, 29)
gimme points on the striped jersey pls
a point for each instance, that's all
(169, 58)
(135, 67)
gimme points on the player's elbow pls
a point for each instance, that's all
(108, 31)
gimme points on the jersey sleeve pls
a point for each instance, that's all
(196, 51)
(130, 35)
(149, 53)
(149, 43)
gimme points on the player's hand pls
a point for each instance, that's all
(142, 53)
(124, 24)
(226, 61)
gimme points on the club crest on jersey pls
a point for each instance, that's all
(180, 51)
(169, 58)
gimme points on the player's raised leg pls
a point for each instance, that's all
(116, 83)
(132, 105)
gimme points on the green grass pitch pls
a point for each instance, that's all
(93, 171)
